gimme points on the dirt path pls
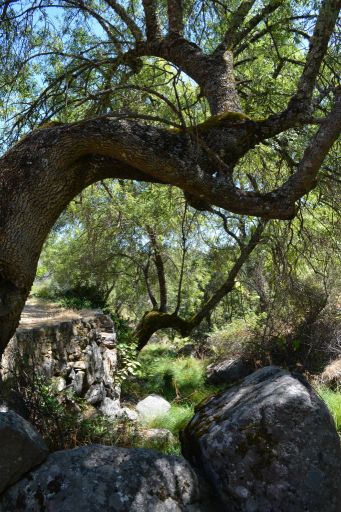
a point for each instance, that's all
(38, 312)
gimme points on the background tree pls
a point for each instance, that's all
(54, 68)
(166, 264)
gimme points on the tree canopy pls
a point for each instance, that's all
(235, 103)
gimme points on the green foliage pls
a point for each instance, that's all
(66, 420)
(128, 363)
(236, 338)
(332, 398)
(168, 446)
(74, 302)
(126, 348)
(180, 379)
(175, 419)
(79, 297)
(82, 296)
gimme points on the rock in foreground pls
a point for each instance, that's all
(268, 444)
(21, 447)
(102, 478)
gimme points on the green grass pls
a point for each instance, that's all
(175, 378)
(333, 401)
(180, 380)
(175, 419)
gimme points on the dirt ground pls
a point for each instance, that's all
(38, 312)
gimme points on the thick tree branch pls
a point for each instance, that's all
(234, 26)
(183, 259)
(324, 27)
(214, 74)
(241, 33)
(152, 321)
(229, 283)
(153, 29)
(299, 108)
(305, 176)
(145, 270)
(175, 18)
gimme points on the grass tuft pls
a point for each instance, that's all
(175, 419)
(333, 401)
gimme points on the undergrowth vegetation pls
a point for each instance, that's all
(332, 399)
(66, 420)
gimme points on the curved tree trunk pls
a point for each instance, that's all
(41, 174)
(153, 321)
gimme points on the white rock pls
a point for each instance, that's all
(130, 414)
(152, 407)
(111, 408)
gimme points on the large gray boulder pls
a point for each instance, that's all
(103, 478)
(268, 445)
(21, 447)
(152, 407)
(227, 371)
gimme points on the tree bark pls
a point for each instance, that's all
(41, 174)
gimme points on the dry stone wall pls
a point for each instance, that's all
(78, 353)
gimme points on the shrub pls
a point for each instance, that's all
(82, 297)
(235, 339)
(60, 416)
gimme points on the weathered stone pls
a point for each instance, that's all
(188, 350)
(108, 339)
(78, 382)
(109, 365)
(65, 350)
(105, 322)
(80, 365)
(110, 408)
(21, 447)
(268, 444)
(151, 407)
(102, 478)
(227, 372)
(59, 383)
(95, 394)
(162, 435)
(113, 410)
(95, 363)
(129, 414)
(331, 375)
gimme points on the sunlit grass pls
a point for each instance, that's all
(181, 379)
(333, 401)
(175, 419)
